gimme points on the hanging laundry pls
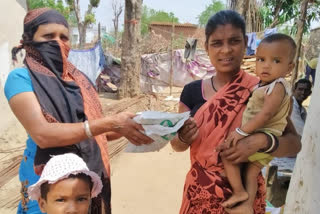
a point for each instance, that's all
(268, 32)
(155, 70)
(190, 48)
(90, 62)
(252, 43)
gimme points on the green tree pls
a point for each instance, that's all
(278, 12)
(54, 4)
(150, 15)
(89, 17)
(215, 6)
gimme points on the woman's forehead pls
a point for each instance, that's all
(53, 27)
(226, 31)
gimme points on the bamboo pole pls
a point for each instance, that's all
(99, 77)
(300, 23)
(171, 54)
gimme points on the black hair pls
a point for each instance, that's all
(282, 37)
(45, 187)
(303, 81)
(225, 17)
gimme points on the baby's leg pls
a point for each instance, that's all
(251, 173)
(234, 176)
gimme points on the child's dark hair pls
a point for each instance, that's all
(303, 81)
(282, 37)
(225, 17)
(45, 187)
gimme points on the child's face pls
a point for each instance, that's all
(71, 195)
(273, 60)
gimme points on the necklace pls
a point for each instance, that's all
(214, 88)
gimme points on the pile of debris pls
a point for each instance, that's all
(154, 43)
(249, 64)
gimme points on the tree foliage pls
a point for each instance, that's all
(215, 6)
(277, 12)
(71, 11)
(54, 4)
(150, 15)
(89, 17)
(95, 3)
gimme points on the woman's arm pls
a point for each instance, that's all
(289, 142)
(28, 111)
(289, 145)
(186, 133)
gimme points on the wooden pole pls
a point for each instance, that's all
(130, 55)
(28, 5)
(171, 65)
(301, 23)
(99, 77)
(99, 32)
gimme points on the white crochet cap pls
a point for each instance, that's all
(60, 167)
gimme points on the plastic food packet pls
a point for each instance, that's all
(160, 126)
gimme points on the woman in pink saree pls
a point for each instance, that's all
(217, 105)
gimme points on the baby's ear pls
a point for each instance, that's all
(42, 205)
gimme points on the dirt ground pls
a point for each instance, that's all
(148, 182)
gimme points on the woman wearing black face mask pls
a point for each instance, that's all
(59, 108)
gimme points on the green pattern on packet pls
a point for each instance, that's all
(168, 123)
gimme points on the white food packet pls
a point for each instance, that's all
(160, 126)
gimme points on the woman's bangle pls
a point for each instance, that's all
(273, 143)
(182, 141)
(87, 129)
(240, 132)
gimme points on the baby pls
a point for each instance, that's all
(266, 111)
(66, 186)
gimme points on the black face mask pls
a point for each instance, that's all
(50, 53)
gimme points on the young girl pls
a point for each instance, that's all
(66, 185)
(266, 111)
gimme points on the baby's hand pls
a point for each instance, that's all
(233, 139)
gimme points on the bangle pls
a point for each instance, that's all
(240, 132)
(273, 143)
(87, 129)
(182, 141)
(269, 139)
